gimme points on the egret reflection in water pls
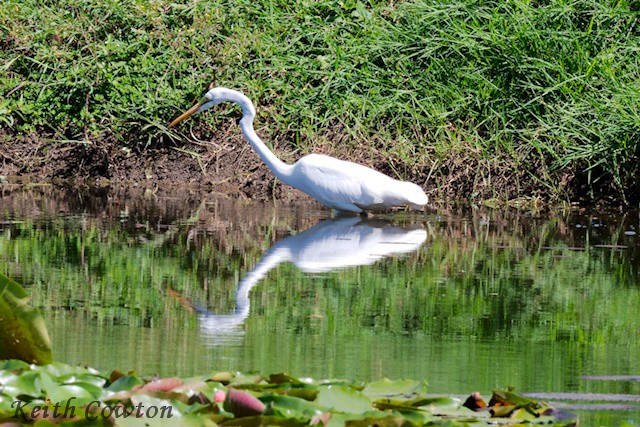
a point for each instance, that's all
(330, 245)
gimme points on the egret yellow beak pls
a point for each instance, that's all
(186, 114)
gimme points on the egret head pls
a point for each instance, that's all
(213, 97)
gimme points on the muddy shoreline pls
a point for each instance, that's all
(226, 169)
(231, 167)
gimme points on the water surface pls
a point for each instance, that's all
(180, 283)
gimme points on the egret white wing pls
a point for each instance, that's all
(338, 183)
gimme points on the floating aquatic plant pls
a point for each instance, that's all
(76, 395)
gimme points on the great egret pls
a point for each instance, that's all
(338, 184)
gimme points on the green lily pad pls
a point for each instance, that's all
(387, 387)
(282, 378)
(13, 365)
(343, 399)
(126, 382)
(267, 420)
(183, 421)
(23, 334)
(84, 378)
(26, 384)
(5, 404)
(302, 390)
(380, 419)
(59, 392)
(291, 406)
(415, 403)
(58, 370)
(192, 402)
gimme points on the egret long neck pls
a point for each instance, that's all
(277, 166)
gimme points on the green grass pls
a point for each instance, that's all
(492, 99)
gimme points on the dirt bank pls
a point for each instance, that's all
(230, 166)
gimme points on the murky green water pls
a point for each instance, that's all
(468, 299)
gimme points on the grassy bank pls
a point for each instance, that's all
(501, 99)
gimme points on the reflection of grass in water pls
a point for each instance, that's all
(469, 281)
(487, 297)
(504, 285)
(115, 276)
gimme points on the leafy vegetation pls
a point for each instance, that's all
(23, 334)
(504, 98)
(77, 396)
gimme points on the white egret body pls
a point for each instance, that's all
(338, 184)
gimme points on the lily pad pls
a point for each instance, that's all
(23, 334)
(291, 406)
(129, 400)
(343, 399)
(125, 382)
(387, 387)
